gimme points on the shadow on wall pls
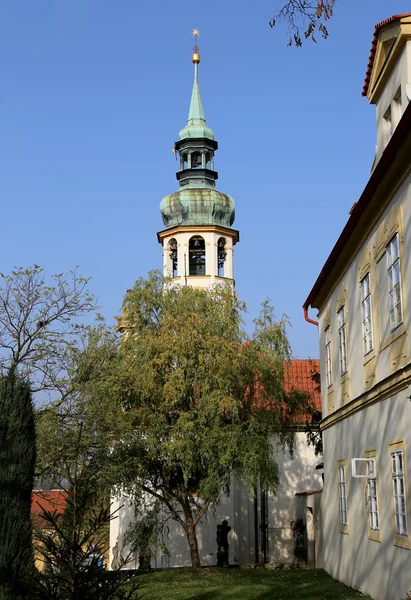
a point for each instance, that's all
(296, 474)
(378, 568)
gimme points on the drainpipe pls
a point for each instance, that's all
(256, 540)
(307, 318)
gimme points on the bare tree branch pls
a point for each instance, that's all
(304, 18)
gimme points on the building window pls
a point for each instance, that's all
(394, 283)
(398, 106)
(388, 125)
(366, 314)
(221, 256)
(328, 369)
(372, 496)
(398, 486)
(342, 340)
(342, 484)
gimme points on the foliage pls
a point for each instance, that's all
(304, 19)
(72, 545)
(144, 533)
(314, 433)
(17, 460)
(38, 324)
(247, 584)
(202, 401)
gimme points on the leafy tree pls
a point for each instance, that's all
(73, 546)
(74, 449)
(17, 461)
(202, 401)
(39, 324)
(304, 19)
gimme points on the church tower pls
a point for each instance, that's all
(198, 238)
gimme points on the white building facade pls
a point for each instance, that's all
(362, 295)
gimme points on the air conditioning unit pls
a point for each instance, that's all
(363, 468)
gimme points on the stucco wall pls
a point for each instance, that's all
(211, 246)
(380, 360)
(238, 508)
(379, 569)
(399, 78)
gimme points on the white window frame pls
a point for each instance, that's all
(342, 340)
(366, 314)
(395, 306)
(328, 356)
(398, 491)
(372, 497)
(342, 486)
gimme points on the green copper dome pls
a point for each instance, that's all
(197, 202)
(197, 206)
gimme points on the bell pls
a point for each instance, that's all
(196, 244)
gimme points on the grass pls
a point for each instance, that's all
(244, 584)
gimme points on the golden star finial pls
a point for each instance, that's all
(196, 32)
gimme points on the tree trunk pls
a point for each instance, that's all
(190, 530)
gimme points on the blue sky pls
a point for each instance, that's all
(93, 94)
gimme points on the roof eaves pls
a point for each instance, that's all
(381, 168)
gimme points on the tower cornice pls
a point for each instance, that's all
(234, 234)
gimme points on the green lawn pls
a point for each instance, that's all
(243, 584)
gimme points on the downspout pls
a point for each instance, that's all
(307, 318)
(256, 539)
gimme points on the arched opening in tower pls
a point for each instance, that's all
(173, 257)
(197, 256)
(221, 256)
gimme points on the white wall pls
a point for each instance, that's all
(399, 78)
(351, 281)
(211, 243)
(379, 569)
(238, 508)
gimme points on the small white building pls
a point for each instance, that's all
(363, 299)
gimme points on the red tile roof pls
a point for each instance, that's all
(299, 375)
(49, 500)
(374, 47)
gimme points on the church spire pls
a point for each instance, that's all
(198, 238)
(196, 123)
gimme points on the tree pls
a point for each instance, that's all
(75, 440)
(39, 324)
(304, 18)
(73, 545)
(202, 401)
(17, 462)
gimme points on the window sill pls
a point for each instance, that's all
(344, 529)
(345, 376)
(395, 335)
(374, 535)
(402, 541)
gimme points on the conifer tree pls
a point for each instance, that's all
(17, 463)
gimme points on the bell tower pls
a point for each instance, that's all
(198, 238)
